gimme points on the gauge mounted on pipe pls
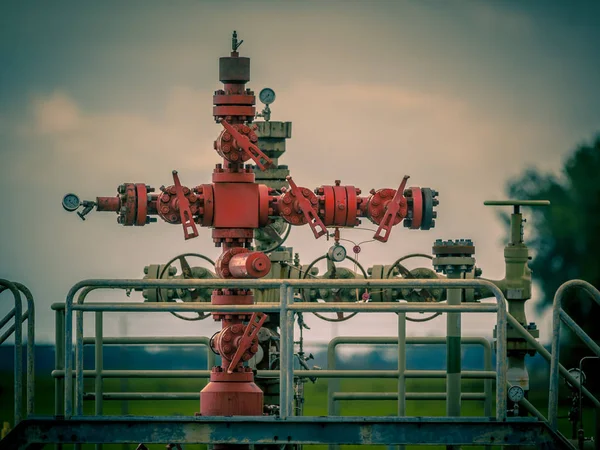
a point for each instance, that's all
(516, 394)
(337, 253)
(70, 202)
(267, 96)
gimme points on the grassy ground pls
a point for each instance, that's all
(315, 403)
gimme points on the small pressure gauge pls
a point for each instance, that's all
(267, 96)
(516, 394)
(70, 202)
(579, 377)
(337, 253)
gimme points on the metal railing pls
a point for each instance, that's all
(558, 316)
(287, 309)
(487, 374)
(19, 317)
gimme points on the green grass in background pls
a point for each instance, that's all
(315, 402)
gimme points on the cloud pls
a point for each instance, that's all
(56, 114)
(122, 142)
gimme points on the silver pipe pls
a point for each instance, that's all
(420, 374)
(120, 284)
(339, 396)
(18, 355)
(554, 362)
(28, 315)
(98, 350)
(284, 357)
(401, 394)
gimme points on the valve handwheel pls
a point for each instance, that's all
(340, 315)
(423, 295)
(187, 273)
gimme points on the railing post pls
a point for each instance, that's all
(401, 367)
(98, 351)
(286, 360)
(18, 357)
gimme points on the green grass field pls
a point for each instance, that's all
(315, 401)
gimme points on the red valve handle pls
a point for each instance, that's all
(251, 150)
(314, 221)
(250, 332)
(184, 210)
(385, 227)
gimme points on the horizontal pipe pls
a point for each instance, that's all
(173, 307)
(150, 340)
(275, 307)
(276, 283)
(336, 396)
(275, 373)
(390, 307)
(144, 396)
(409, 396)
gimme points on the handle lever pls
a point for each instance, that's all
(189, 227)
(251, 150)
(385, 227)
(250, 332)
(314, 221)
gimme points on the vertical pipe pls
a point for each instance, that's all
(289, 371)
(333, 384)
(453, 353)
(59, 360)
(401, 367)
(68, 357)
(18, 354)
(79, 364)
(283, 356)
(98, 350)
(30, 315)
(501, 359)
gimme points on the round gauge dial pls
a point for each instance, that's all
(579, 377)
(70, 202)
(337, 253)
(516, 394)
(267, 96)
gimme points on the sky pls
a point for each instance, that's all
(461, 96)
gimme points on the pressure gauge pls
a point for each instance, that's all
(70, 202)
(516, 394)
(337, 253)
(579, 377)
(267, 96)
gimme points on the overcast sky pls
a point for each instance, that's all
(459, 95)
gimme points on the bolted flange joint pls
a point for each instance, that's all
(453, 256)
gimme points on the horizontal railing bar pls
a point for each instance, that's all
(275, 307)
(473, 374)
(390, 307)
(336, 396)
(275, 283)
(409, 396)
(145, 340)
